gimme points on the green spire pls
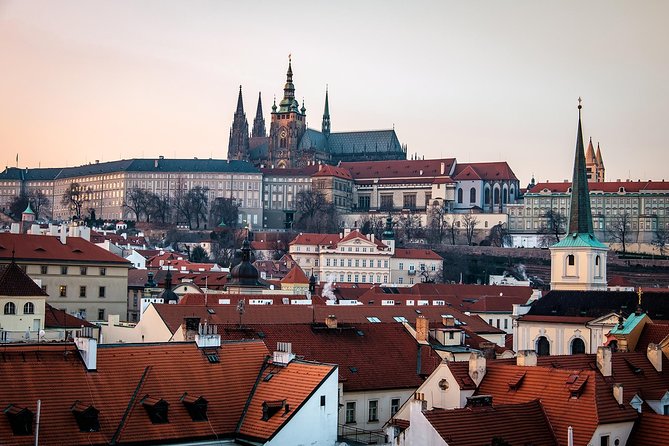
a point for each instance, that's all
(580, 218)
(28, 210)
(325, 128)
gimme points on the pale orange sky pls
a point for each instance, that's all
(475, 80)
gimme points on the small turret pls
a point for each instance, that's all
(325, 127)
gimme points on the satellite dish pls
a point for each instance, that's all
(41, 333)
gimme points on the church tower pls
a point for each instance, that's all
(287, 127)
(578, 261)
(238, 146)
(601, 177)
(325, 127)
(259, 122)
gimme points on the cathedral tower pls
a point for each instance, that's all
(325, 128)
(287, 127)
(259, 122)
(578, 261)
(238, 146)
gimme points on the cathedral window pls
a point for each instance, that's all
(472, 195)
(459, 195)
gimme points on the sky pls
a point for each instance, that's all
(86, 80)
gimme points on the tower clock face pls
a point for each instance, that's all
(283, 133)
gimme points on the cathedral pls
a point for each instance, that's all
(291, 144)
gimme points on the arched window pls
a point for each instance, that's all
(10, 308)
(495, 196)
(472, 195)
(459, 195)
(570, 260)
(511, 194)
(486, 196)
(282, 143)
(598, 267)
(505, 196)
(543, 346)
(29, 308)
(577, 346)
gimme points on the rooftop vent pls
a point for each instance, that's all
(156, 408)
(196, 407)
(479, 401)
(20, 419)
(269, 408)
(86, 416)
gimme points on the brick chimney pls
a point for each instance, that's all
(527, 358)
(448, 320)
(477, 367)
(654, 354)
(422, 328)
(604, 360)
(331, 321)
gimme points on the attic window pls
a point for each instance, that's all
(196, 407)
(86, 416)
(635, 369)
(156, 408)
(77, 250)
(269, 408)
(516, 381)
(40, 249)
(353, 369)
(211, 311)
(576, 389)
(20, 419)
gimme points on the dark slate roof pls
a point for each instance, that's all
(594, 304)
(365, 141)
(15, 282)
(131, 165)
(259, 147)
(313, 139)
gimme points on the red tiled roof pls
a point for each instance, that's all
(484, 171)
(522, 423)
(295, 275)
(556, 319)
(595, 405)
(398, 168)
(619, 281)
(326, 170)
(55, 318)
(33, 248)
(365, 352)
(606, 187)
(356, 234)
(654, 333)
(15, 282)
(315, 239)
(649, 429)
(418, 254)
(294, 383)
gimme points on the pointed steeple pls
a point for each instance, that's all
(325, 127)
(240, 102)
(580, 218)
(238, 144)
(590, 153)
(599, 157)
(259, 121)
(288, 103)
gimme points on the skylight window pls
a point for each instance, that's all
(373, 319)
(400, 319)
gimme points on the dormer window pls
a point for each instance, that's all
(20, 419)
(196, 407)
(156, 408)
(86, 417)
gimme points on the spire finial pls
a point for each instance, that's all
(640, 294)
(579, 103)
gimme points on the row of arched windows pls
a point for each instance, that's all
(506, 195)
(28, 308)
(543, 346)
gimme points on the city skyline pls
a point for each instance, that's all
(477, 82)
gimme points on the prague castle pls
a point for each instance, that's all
(291, 144)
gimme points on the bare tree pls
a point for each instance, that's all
(499, 236)
(137, 202)
(74, 198)
(661, 239)
(451, 228)
(199, 202)
(437, 222)
(17, 205)
(553, 227)
(409, 226)
(224, 210)
(158, 208)
(469, 223)
(620, 230)
(373, 224)
(39, 202)
(316, 213)
(224, 245)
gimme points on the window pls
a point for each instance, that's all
(83, 270)
(101, 314)
(472, 195)
(44, 289)
(103, 271)
(63, 270)
(82, 291)
(394, 406)
(604, 440)
(401, 266)
(322, 400)
(386, 201)
(43, 269)
(350, 412)
(459, 195)
(577, 346)
(101, 291)
(409, 201)
(62, 290)
(363, 202)
(29, 308)
(570, 260)
(10, 308)
(373, 410)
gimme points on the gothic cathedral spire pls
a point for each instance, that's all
(259, 121)
(238, 144)
(325, 128)
(580, 217)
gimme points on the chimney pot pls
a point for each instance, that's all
(422, 328)
(526, 358)
(654, 354)
(331, 321)
(604, 360)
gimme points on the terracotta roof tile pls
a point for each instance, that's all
(315, 239)
(398, 168)
(654, 333)
(325, 170)
(55, 318)
(295, 275)
(606, 187)
(15, 282)
(647, 430)
(30, 247)
(418, 254)
(522, 423)
(484, 171)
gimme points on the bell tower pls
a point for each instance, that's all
(578, 261)
(238, 146)
(287, 126)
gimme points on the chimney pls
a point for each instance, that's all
(15, 228)
(331, 321)
(448, 320)
(526, 358)
(207, 336)
(283, 353)
(618, 393)
(88, 347)
(443, 168)
(654, 353)
(604, 360)
(155, 164)
(422, 328)
(63, 234)
(477, 367)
